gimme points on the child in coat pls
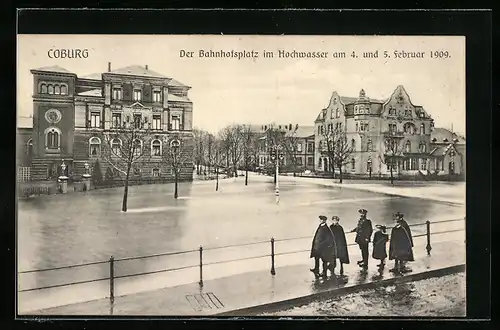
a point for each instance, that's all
(380, 239)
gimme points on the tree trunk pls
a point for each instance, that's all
(340, 173)
(216, 178)
(275, 174)
(176, 193)
(246, 176)
(125, 190)
(392, 178)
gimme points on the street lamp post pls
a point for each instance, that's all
(370, 166)
(175, 145)
(277, 157)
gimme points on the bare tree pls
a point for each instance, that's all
(215, 160)
(248, 144)
(275, 137)
(342, 149)
(200, 140)
(392, 153)
(291, 146)
(177, 156)
(123, 150)
(336, 146)
(232, 139)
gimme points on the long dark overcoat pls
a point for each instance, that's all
(405, 225)
(400, 247)
(380, 240)
(323, 244)
(364, 231)
(340, 243)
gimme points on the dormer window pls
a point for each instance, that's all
(137, 95)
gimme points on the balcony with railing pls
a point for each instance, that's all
(391, 133)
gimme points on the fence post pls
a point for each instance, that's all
(112, 279)
(201, 266)
(428, 247)
(273, 271)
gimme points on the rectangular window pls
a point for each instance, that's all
(299, 147)
(156, 121)
(310, 161)
(413, 164)
(116, 120)
(298, 161)
(137, 95)
(176, 123)
(156, 172)
(95, 119)
(423, 164)
(117, 93)
(156, 96)
(137, 121)
(310, 147)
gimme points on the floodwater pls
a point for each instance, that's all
(56, 231)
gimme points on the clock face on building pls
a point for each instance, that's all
(53, 116)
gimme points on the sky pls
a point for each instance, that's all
(264, 90)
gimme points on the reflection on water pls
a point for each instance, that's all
(85, 227)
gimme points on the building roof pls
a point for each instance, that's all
(172, 97)
(54, 68)
(137, 70)
(176, 83)
(302, 131)
(443, 135)
(93, 92)
(93, 76)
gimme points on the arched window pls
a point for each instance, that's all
(52, 138)
(422, 147)
(57, 90)
(353, 144)
(94, 147)
(156, 148)
(64, 90)
(29, 148)
(116, 147)
(409, 128)
(43, 88)
(408, 146)
(422, 128)
(137, 148)
(50, 89)
(353, 164)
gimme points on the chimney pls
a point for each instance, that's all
(146, 66)
(109, 66)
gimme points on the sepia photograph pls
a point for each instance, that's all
(241, 175)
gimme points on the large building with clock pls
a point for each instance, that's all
(71, 113)
(372, 125)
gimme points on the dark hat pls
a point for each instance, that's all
(398, 215)
(362, 211)
(322, 217)
(335, 218)
(381, 227)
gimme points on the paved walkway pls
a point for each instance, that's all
(258, 288)
(448, 192)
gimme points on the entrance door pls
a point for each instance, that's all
(451, 168)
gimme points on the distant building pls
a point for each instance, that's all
(70, 111)
(448, 153)
(301, 136)
(370, 124)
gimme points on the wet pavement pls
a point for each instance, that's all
(76, 228)
(243, 290)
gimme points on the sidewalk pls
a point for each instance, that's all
(453, 193)
(290, 285)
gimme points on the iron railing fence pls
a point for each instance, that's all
(112, 261)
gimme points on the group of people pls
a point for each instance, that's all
(329, 244)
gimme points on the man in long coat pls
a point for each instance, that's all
(380, 239)
(340, 244)
(401, 245)
(364, 232)
(322, 247)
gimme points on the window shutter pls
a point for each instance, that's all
(127, 91)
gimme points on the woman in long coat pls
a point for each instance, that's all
(380, 239)
(340, 244)
(400, 248)
(322, 247)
